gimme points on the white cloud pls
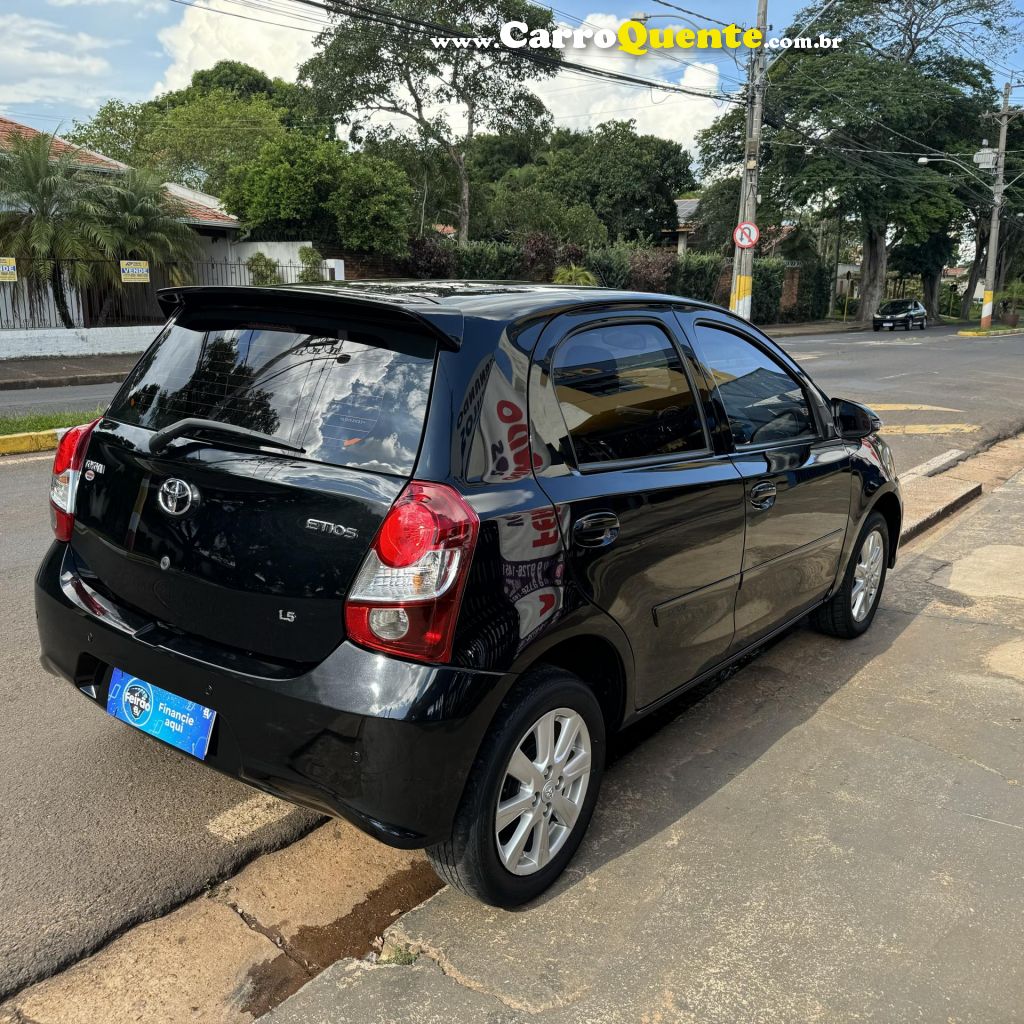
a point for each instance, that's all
(42, 61)
(580, 103)
(142, 6)
(202, 38)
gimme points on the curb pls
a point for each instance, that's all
(37, 441)
(989, 334)
(940, 512)
(69, 381)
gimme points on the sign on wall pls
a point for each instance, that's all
(8, 269)
(135, 271)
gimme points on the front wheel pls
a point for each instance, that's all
(852, 608)
(531, 793)
(924, 322)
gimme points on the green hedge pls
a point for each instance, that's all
(697, 275)
(769, 273)
(489, 261)
(610, 264)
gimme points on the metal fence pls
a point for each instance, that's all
(30, 302)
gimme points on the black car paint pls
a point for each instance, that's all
(365, 736)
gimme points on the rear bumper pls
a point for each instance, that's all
(385, 743)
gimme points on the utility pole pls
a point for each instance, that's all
(743, 259)
(997, 205)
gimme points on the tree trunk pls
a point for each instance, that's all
(460, 167)
(60, 299)
(874, 263)
(980, 247)
(930, 281)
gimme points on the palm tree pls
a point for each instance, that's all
(44, 217)
(134, 218)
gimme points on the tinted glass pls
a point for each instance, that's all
(351, 396)
(897, 307)
(763, 402)
(624, 394)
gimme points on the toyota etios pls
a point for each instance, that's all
(409, 554)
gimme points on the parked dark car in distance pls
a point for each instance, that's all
(410, 553)
(905, 313)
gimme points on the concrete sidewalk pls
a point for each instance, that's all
(835, 833)
(64, 371)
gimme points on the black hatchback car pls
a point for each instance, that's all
(410, 554)
(905, 313)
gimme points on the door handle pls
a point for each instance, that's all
(762, 495)
(596, 530)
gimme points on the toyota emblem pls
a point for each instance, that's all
(176, 496)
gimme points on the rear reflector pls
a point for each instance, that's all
(406, 597)
(67, 467)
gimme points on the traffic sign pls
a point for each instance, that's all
(746, 234)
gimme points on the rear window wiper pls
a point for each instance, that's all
(161, 440)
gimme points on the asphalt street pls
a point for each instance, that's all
(101, 827)
(935, 391)
(25, 400)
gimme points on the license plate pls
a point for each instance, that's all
(887, 323)
(181, 723)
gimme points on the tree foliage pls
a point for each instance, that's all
(364, 68)
(372, 206)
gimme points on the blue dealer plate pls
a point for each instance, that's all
(179, 722)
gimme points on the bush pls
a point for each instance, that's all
(769, 274)
(431, 257)
(574, 274)
(489, 261)
(811, 292)
(610, 264)
(697, 275)
(538, 256)
(262, 269)
(312, 263)
(571, 252)
(841, 306)
(651, 269)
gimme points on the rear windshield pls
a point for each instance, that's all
(351, 395)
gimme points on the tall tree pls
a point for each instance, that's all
(377, 69)
(847, 125)
(630, 180)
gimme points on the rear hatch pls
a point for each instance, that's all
(231, 538)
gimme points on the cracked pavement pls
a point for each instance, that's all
(835, 833)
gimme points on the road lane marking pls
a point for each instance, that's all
(904, 407)
(17, 460)
(249, 816)
(940, 460)
(929, 428)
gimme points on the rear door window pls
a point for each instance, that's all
(624, 394)
(351, 395)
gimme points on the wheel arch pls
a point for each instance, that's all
(597, 661)
(889, 507)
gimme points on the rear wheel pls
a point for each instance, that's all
(924, 322)
(531, 793)
(851, 610)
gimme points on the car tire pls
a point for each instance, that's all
(910, 323)
(476, 859)
(865, 578)
(875, 328)
(924, 322)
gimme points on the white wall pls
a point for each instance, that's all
(283, 252)
(79, 341)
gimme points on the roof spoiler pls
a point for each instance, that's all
(445, 324)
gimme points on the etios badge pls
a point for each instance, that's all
(176, 496)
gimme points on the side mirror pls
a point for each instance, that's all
(855, 421)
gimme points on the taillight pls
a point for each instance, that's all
(67, 466)
(406, 597)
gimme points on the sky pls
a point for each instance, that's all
(60, 59)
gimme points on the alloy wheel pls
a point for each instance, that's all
(867, 575)
(543, 790)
